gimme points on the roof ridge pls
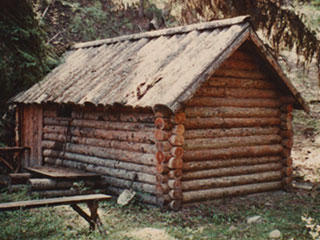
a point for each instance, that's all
(166, 31)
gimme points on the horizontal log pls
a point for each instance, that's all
(239, 83)
(178, 129)
(175, 162)
(126, 184)
(238, 73)
(162, 168)
(118, 173)
(176, 140)
(141, 136)
(161, 178)
(201, 165)
(231, 181)
(232, 63)
(287, 171)
(162, 123)
(162, 188)
(19, 178)
(176, 194)
(286, 133)
(178, 118)
(163, 146)
(175, 184)
(225, 142)
(236, 93)
(176, 173)
(231, 171)
(108, 153)
(200, 123)
(117, 116)
(177, 151)
(234, 102)
(38, 184)
(50, 113)
(175, 205)
(56, 121)
(287, 162)
(130, 146)
(68, 192)
(287, 142)
(202, 195)
(288, 100)
(162, 135)
(231, 112)
(286, 108)
(52, 155)
(225, 153)
(232, 132)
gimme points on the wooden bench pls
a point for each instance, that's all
(91, 200)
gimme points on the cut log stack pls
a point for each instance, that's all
(116, 144)
(169, 137)
(287, 142)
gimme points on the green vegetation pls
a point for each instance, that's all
(296, 215)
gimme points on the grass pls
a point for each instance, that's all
(282, 211)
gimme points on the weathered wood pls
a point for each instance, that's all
(176, 140)
(52, 202)
(238, 73)
(239, 83)
(288, 99)
(200, 123)
(225, 142)
(123, 145)
(115, 172)
(231, 181)
(287, 171)
(233, 132)
(178, 129)
(126, 184)
(287, 108)
(201, 165)
(225, 153)
(175, 205)
(287, 142)
(231, 112)
(175, 162)
(286, 133)
(162, 188)
(117, 116)
(162, 156)
(141, 136)
(66, 192)
(163, 146)
(287, 181)
(175, 184)
(108, 153)
(52, 113)
(162, 123)
(49, 183)
(19, 178)
(176, 173)
(287, 117)
(286, 125)
(161, 178)
(51, 157)
(201, 195)
(234, 102)
(231, 171)
(178, 118)
(56, 121)
(177, 151)
(232, 63)
(162, 168)
(176, 194)
(286, 153)
(236, 93)
(162, 135)
(287, 162)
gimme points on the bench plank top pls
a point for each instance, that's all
(53, 202)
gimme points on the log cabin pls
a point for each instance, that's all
(189, 114)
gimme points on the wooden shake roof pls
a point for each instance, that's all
(158, 68)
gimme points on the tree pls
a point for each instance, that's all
(277, 19)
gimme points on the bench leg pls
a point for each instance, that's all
(93, 219)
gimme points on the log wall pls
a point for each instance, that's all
(238, 134)
(117, 144)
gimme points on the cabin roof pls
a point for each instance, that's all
(149, 70)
